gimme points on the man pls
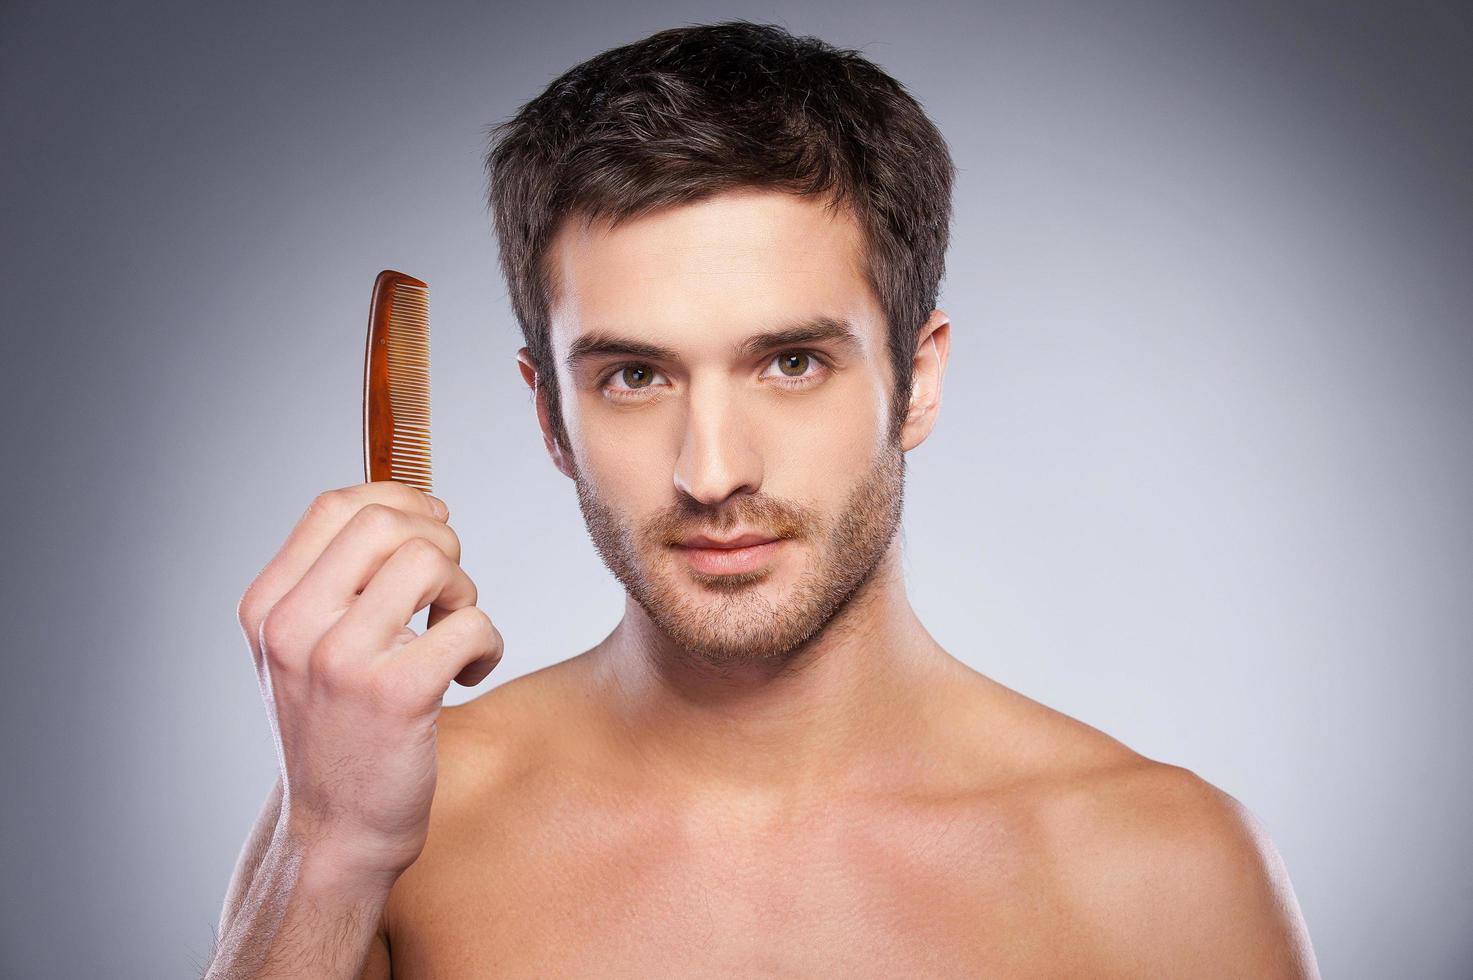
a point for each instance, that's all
(723, 245)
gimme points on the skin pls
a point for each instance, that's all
(782, 773)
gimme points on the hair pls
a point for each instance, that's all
(692, 111)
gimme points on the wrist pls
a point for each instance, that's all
(323, 871)
(328, 865)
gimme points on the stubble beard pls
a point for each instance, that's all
(723, 622)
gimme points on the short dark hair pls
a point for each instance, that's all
(692, 111)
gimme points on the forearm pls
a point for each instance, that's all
(252, 853)
(302, 917)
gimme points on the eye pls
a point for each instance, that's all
(636, 379)
(798, 369)
(795, 365)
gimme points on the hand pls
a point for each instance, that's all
(351, 692)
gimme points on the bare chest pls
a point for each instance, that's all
(918, 894)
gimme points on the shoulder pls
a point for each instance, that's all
(491, 742)
(1161, 873)
(1169, 875)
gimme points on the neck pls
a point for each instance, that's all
(831, 713)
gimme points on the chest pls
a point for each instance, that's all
(907, 895)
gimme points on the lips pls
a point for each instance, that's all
(730, 556)
(743, 541)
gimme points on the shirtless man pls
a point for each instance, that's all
(769, 767)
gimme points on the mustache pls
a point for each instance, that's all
(763, 516)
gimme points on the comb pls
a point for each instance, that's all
(396, 382)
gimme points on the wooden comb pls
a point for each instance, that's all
(396, 382)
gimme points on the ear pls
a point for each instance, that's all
(539, 395)
(927, 372)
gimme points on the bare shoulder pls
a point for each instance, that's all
(1168, 875)
(1185, 878)
(1161, 872)
(487, 744)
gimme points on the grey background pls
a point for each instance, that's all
(1201, 478)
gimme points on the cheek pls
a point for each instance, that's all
(628, 463)
(823, 445)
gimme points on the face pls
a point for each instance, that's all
(724, 372)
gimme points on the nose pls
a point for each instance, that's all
(717, 457)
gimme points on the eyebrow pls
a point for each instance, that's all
(597, 343)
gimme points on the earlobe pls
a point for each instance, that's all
(544, 421)
(555, 452)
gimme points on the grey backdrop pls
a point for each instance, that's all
(1201, 478)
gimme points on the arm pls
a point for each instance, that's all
(1245, 879)
(352, 695)
(251, 856)
(304, 915)
(258, 842)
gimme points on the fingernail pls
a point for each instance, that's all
(441, 511)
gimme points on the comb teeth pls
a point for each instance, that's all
(396, 382)
(409, 385)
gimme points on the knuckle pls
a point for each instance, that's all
(406, 494)
(392, 692)
(335, 665)
(479, 624)
(377, 518)
(255, 602)
(454, 551)
(278, 664)
(247, 611)
(278, 633)
(331, 503)
(420, 551)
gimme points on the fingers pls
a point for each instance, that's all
(356, 554)
(417, 573)
(465, 646)
(329, 513)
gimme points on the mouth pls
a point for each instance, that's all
(744, 554)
